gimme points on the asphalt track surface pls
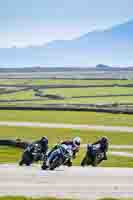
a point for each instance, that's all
(75, 182)
(71, 126)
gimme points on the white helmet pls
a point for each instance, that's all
(76, 141)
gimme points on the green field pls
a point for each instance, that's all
(55, 135)
(18, 95)
(91, 82)
(42, 101)
(60, 81)
(68, 117)
(69, 92)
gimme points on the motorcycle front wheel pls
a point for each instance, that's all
(26, 159)
(56, 162)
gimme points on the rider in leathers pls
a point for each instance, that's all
(74, 145)
(35, 151)
(100, 146)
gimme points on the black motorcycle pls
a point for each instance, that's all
(31, 154)
(92, 157)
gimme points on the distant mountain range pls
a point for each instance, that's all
(113, 47)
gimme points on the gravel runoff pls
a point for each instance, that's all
(75, 182)
(72, 126)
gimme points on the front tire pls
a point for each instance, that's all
(87, 160)
(26, 159)
(56, 162)
(44, 167)
(84, 162)
(21, 162)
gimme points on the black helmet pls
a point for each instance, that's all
(104, 139)
(44, 140)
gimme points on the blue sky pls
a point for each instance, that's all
(35, 22)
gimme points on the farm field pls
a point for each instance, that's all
(61, 81)
(43, 101)
(86, 95)
(72, 92)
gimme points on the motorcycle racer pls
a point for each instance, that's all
(73, 145)
(100, 147)
(35, 151)
(57, 157)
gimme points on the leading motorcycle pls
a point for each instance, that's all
(92, 157)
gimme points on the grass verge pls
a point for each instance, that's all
(56, 135)
(68, 117)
